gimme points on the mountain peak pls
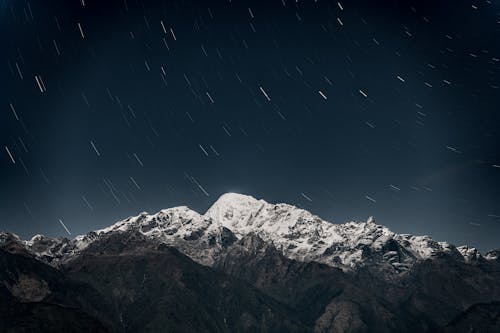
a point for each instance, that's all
(235, 200)
(234, 207)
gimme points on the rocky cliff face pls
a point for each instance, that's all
(245, 265)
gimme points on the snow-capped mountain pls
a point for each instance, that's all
(247, 265)
(303, 236)
(295, 232)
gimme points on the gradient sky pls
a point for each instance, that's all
(384, 108)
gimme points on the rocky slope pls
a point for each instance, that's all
(128, 283)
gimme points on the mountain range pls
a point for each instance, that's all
(245, 266)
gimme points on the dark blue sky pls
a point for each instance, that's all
(384, 108)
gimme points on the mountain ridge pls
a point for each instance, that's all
(296, 232)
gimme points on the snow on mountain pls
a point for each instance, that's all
(193, 234)
(295, 232)
(470, 254)
(493, 255)
(303, 236)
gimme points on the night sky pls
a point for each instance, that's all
(350, 109)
